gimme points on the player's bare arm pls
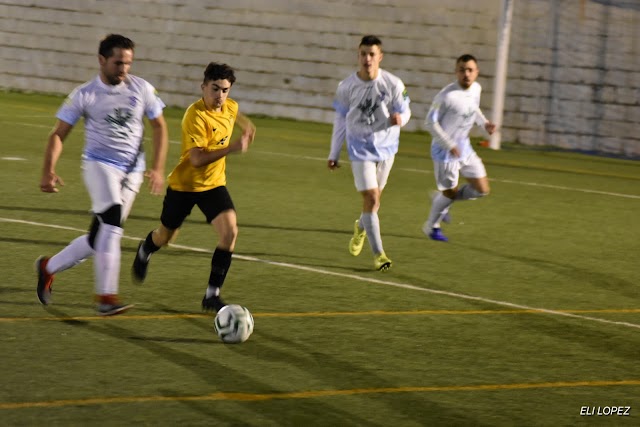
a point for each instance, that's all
(395, 119)
(49, 179)
(160, 146)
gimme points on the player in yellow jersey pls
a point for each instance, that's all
(199, 178)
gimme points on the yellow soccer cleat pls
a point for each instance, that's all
(357, 241)
(382, 263)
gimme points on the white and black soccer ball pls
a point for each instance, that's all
(234, 324)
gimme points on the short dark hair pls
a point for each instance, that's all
(112, 41)
(216, 71)
(466, 58)
(370, 41)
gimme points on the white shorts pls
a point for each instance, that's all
(108, 186)
(370, 175)
(448, 173)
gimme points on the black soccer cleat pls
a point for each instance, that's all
(140, 265)
(214, 303)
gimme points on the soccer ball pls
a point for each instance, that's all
(234, 324)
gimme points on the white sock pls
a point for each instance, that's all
(467, 192)
(107, 259)
(360, 226)
(73, 254)
(371, 224)
(439, 207)
(212, 291)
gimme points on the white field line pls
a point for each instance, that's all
(505, 181)
(423, 171)
(361, 278)
(29, 125)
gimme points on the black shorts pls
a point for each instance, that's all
(177, 205)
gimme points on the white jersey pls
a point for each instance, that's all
(113, 117)
(363, 109)
(452, 115)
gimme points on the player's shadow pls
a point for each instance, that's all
(34, 241)
(331, 370)
(211, 370)
(196, 221)
(326, 368)
(344, 232)
(313, 409)
(77, 212)
(327, 266)
(57, 211)
(597, 279)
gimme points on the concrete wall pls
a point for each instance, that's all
(574, 71)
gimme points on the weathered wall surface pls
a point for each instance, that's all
(574, 67)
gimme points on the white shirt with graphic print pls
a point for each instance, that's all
(453, 113)
(362, 116)
(113, 119)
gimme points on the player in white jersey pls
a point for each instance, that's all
(454, 111)
(113, 106)
(371, 106)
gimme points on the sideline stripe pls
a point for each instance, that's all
(257, 397)
(311, 314)
(366, 279)
(427, 171)
(504, 181)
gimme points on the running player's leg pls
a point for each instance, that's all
(447, 175)
(71, 255)
(104, 183)
(476, 175)
(177, 206)
(369, 179)
(220, 212)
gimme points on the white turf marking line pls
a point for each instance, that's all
(360, 278)
(559, 187)
(505, 181)
(13, 158)
(33, 125)
(424, 171)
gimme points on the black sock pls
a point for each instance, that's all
(148, 247)
(220, 263)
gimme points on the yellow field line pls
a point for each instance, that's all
(316, 314)
(254, 397)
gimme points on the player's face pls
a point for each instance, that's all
(215, 93)
(115, 68)
(369, 58)
(467, 73)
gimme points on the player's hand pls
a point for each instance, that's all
(490, 127)
(156, 181)
(49, 181)
(455, 152)
(332, 164)
(245, 140)
(395, 119)
(251, 131)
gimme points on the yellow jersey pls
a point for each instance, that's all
(211, 131)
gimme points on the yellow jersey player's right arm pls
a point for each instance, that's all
(202, 157)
